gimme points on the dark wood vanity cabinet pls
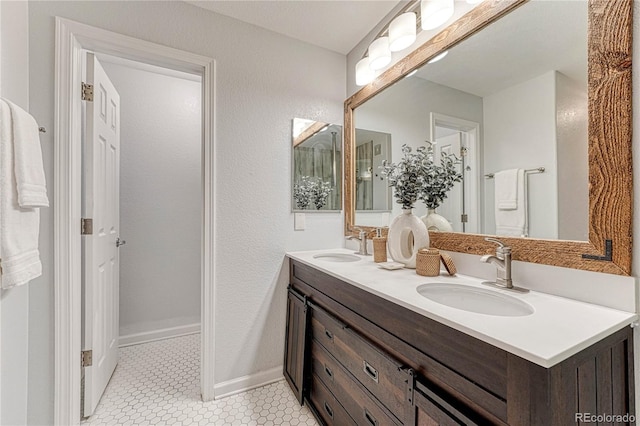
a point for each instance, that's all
(295, 343)
(356, 358)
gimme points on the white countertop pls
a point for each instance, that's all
(557, 329)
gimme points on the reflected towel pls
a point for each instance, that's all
(22, 191)
(513, 222)
(506, 187)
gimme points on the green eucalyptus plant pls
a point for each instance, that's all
(417, 177)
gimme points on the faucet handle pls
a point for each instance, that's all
(502, 248)
(493, 240)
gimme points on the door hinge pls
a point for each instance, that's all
(411, 383)
(464, 218)
(87, 358)
(86, 227)
(87, 92)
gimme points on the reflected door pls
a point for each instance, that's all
(453, 207)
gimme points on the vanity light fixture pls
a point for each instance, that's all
(435, 13)
(402, 31)
(364, 73)
(438, 57)
(400, 34)
(379, 53)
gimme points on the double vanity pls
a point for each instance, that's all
(369, 346)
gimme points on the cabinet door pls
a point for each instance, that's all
(432, 410)
(295, 343)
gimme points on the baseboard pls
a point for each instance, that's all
(245, 383)
(164, 333)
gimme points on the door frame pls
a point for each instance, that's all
(71, 39)
(472, 131)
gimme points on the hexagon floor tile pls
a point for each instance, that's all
(158, 383)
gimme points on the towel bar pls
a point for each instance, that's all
(536, 170)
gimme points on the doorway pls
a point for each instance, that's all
(453, 135)
(71, 39)
(155, 114)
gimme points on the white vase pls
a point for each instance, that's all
(407, 234)
(435, 222)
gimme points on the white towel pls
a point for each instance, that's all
(506, 189)
(22, 191)
(513, 222)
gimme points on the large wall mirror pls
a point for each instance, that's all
(541, 87)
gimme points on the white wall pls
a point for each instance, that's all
(263, 81)
(14, 303)
(520, 132)
(160, 197)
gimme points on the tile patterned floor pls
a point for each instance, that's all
(157, 383)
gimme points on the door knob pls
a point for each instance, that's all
(120, 242)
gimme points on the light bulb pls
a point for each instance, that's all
(364, 74)
(435, 13)
(402, 32)
(379, 53)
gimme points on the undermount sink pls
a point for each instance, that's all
(476, 300)
(337, 257)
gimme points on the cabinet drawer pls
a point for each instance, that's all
(326, 406)
(359, 403)
(383, 376)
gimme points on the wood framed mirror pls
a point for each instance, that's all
(610, 177)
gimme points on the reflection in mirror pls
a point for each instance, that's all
(511, 101)
(317, 165)
(372, 192)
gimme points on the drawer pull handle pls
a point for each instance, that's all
(371, 372)
(369, 417)
(328, 334)
(329, 372)
(328, 410)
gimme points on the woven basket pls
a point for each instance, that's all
(428, 262)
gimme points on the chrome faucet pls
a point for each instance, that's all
(362, 237)
(502, 260)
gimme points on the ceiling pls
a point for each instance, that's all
(337, 25)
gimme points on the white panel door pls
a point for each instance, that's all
(452, 207)
(101, 165)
